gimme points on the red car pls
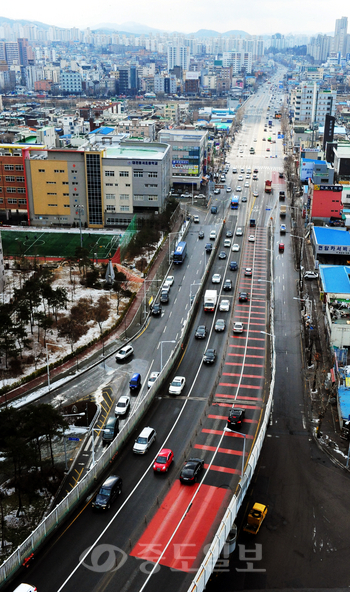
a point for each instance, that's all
(163, 461)
(281, 247)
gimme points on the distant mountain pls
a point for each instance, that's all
(128, 27)
(8, 21)
(202, 33)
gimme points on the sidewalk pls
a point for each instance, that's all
(318, 362)
(124, 332)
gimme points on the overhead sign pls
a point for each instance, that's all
(336, 249)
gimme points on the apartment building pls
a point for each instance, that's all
(189, 152)
(70, 81)
(311, 104)
(13, 192)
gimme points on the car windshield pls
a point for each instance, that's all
(187, 472)
(176, 383)
(122, 352)
(141, 440)
(104, 492)
(161, 460)
(152, 379)
(122, 404)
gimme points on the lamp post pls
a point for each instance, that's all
(169, 235)
(144, 291)
(161, 352)
(244, 436)
(194, 284)
(302, 238)
(80, 209)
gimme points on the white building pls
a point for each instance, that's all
(178, 55)
(239, 60)
(311, 104)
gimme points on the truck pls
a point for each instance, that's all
(283, 211)
(282, 195)
(255, 518)
(268, 186)
(210, 300)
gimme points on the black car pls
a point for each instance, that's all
(222, 255)
(233, 265)
(255, 171)
(201, 234)
(243, 297)
(229, 234)
(156, 309)
(244, 199)
(209, 356)
(191, 470)
(110, 430)
(227, 285)
(208, 247)
(201, 332)
(164, 297)
(108, 493)
(236, 417)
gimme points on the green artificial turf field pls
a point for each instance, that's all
(57, 244)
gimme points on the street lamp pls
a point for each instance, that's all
(161, 352)
(307, 301)
(80, 209)
(194, 284)
(242, 436)
(302, 238)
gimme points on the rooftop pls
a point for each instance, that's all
(331, 236)
(335, 278)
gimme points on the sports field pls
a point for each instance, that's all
(57, 245)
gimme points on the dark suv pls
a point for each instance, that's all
(108, 493)
(208, 247)
(156, 309)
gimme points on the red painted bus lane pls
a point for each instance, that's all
(186, 545)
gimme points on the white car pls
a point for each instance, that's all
(144, 441)
(238, 328)
(246, 184)
(228, 189)
(227, 242)
(310, 275)
(152, 378)
(177, 385)
(239, 231)
(251, 238)
(212, 235)
(122, 407)
(224, 306)
(238, 188)
(169, 280)
(256, 194)
(235, 247)
(240, 178)
(124, 353)
(216, 278)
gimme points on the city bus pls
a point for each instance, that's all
(234, 202)
(180, 252)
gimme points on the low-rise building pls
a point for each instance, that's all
(188, 156)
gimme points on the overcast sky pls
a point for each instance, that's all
(253, 16)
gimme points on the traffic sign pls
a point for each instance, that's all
(74, 439)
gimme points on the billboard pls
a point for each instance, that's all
(328, 130)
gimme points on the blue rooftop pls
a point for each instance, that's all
(331, 236)
(335, 278)
(104, 131)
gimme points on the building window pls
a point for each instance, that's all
(152, 174)
(124, 208)
(12, 201)
(62, 171)
(110, 196)
(124, 197)
(66, 195)
(66, 205)
(138, 173)
(152, 198)
(127, 185)
(109, 173)
(1, 200)
(41, 171)
(19, 167)
(20, 179)
(10, 189)
(123, 173)
(50, 182)
(9, 179)
(23, 202)
(109, 184)
(55, 171)
(65, 183)
(52, 205)
(21, 190)
(51, 193)
(110, 208)
(138, 197)
(9, 167)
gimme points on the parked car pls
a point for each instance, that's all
(209, 356)
(191, 470)
(124, 353)
(123, 405)
(310, 275)
(177, 385)
(144, 441)
(110, 430)
(108, 493)
(156, 309)
(169, 281)
(163, 461)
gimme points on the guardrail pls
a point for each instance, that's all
(45, 529)
(208, 564)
